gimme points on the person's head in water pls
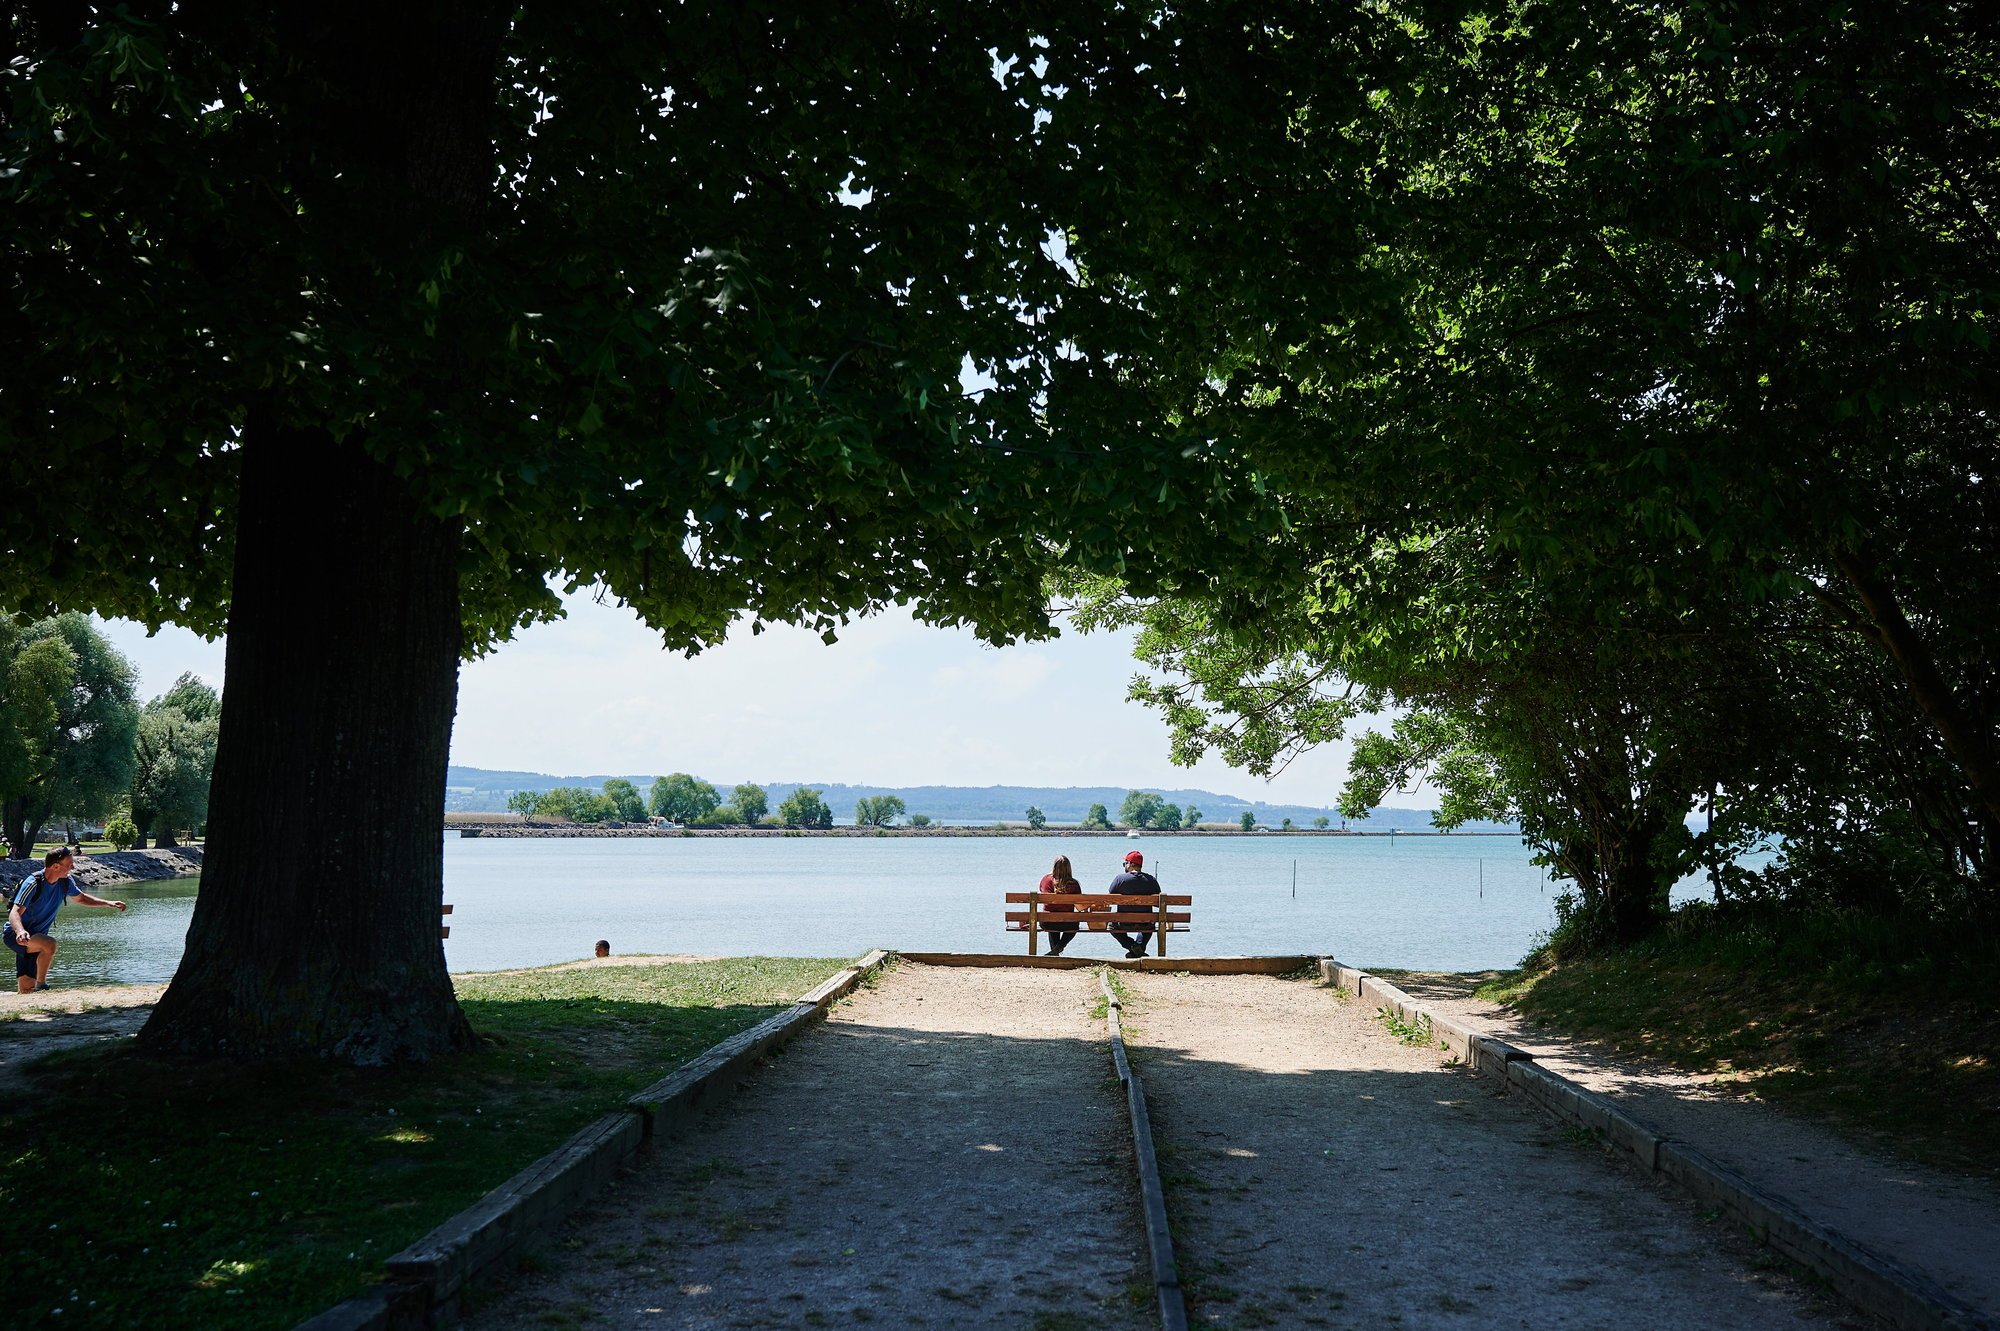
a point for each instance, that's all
(1061, 871)
(1134, 861)
(603, 948)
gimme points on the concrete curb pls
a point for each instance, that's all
(427, 1281)
(1152, 1191)
(1864, 1278)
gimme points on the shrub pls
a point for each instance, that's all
(121, 833)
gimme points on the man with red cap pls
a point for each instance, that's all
(1135, 882)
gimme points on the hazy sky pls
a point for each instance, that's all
(893, 703)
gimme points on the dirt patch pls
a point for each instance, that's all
(1322, 1172)
(950, 1150)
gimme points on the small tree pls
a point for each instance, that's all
(625, 800)
(1191, 818)
(920, 820)
(524, 802)
(1249, 821)
(752, 802)
(1320, 822)
(1286, 826)
(804, 808)
(1097, 819)
(1169, 818)
(1036, 818)
(722, 815)
(681, 798)
(121, 833)
(877, 810)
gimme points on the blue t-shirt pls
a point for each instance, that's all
(40, 899)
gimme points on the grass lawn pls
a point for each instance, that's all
(1877, 1038)
(153, 1192)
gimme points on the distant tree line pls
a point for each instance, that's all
(77, 747)
(691, 802)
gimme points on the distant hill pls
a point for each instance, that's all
(478, 790)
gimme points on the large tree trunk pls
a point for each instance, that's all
(14, 826)
(316, 929)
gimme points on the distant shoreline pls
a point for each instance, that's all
(539, 831)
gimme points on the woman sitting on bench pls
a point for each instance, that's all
(1061, 881)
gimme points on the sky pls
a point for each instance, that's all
(893, 703)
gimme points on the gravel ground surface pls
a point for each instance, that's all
(35, 1024)
(1322, 1173)
(950, 1149)
(1944, 1225)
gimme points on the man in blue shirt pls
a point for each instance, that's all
(1135, 882)
(34, 911)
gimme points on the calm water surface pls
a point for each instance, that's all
(1434, 903)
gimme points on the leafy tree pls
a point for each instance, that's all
(624, 797)
(1097, 818)
(36, 676)
(1321, 822)
(1140, 809)
(1249, 821)
(1285, 825)
(122, 833)
(174, 758)
(1168, 819)
(920, 820)
(681, 798)
(404, 318)
(804, 808)
(1192, 818)
(877, 810)
(523, 801)
(722, 815)
(1037, 820)
(86, 761)
(753, 802)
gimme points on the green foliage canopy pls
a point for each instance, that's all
(805, 808)
(878, 810)
(681, 798)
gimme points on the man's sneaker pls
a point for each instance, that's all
(43, 985)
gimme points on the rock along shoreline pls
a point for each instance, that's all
(114, 868)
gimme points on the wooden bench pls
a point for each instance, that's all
(1096, 914)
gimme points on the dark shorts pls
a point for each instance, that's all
(24, 960)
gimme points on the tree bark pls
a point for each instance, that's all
(316, 929)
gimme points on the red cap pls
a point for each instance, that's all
(1134, 857)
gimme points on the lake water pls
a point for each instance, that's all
(1426, 902)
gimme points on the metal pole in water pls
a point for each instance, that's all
(1295, 880)
(1482, 878)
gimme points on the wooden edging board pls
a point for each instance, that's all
(427, 1281)
(1179, 965)
(1152, 1192)
(1874, 1283)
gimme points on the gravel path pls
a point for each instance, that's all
(948, 1150)
(1320, 1172)
(1943, 1225)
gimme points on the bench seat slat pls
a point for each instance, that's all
(1096, 926)
(1109, 917)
